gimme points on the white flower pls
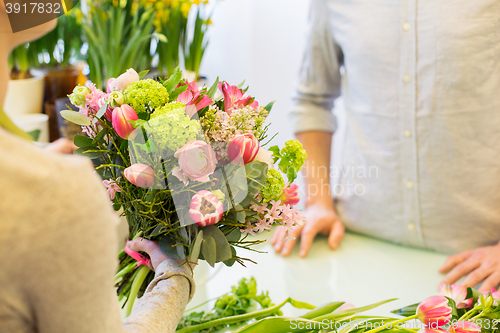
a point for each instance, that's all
(265, 156)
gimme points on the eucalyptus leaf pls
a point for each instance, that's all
(208, 249)
(195, 252)
(76, 118)
(234, 235)
(83, 141)
(100, 113)
(230, 262)
(223, 250)
(167, 246)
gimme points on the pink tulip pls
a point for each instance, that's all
(434, 311)
(290, 195)
(205, 208)
(235, 97)
(464, 327)
(140, 175)
(123, 81)
(197, 161)
(244, 146)
(120, 120)
(457, 293)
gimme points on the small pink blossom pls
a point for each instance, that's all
(235, 97)
(249, 229)
(112, 187)
(96, 99)
(194, 99)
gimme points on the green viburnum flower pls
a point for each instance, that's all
(273, 186)
(293, 157)
(146, 92)
(172, 126)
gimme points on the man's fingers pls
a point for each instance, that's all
(289, 243)
(491, 281)
(140, 244)
(460, 270)
(476, 276)
(279, 234)
(308, 235)
(276, 236)
(452, 261)
(336, 235)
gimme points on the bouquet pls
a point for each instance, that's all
(186, 167)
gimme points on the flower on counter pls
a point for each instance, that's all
(464, 327)
(434, 311)
(140, 175)
(112, 187)
(245, 147)
(197, 162)
(123, 81)
(120, 120)
(457, 293)
(146, 92)
(205, 208)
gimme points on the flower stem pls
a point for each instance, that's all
(468, 314)
(136, 286)
(391, 324)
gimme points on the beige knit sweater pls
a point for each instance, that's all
(58, 251)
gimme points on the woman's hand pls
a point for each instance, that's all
(320, 218)
(62, 146)
(152, 248)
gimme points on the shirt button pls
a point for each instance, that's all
(406, 78)
(411, 226)
(409, 184)
(406, 26)
(407, 133)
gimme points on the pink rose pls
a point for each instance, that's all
(197, 161)
(123, 81)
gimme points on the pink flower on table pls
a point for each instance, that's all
(235, 97)
(434, 311)
(205, 208)
(112, 187)
(197, 162)
(457, 293)
(123, 81)
(194, 99)
(290, 195)
(244, 146)
(464, 327)
(140, 175)
(120, 120)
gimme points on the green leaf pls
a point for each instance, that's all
(208, 249)
(301, 305)
(279, 325)
(230, 262)
(83, 141)
(177, 92)
(169, 248)
(35, 134)
(161, 37)
(195, 252)
(269, 106)
(143, 73)
(354, 311)
(76, 118)
(234, 235)
(453, 306)
(474, 294)
(222, 248)
(213, 89)
(100, 113)
(321, 311)
(407, 311)
(173, 80)
(84, 151)
(241, 84)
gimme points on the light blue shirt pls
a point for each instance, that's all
(420, 80)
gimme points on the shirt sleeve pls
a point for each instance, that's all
(319, 77)
(69, 261)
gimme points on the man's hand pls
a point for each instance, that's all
(62, 146)
(480, 265)
(320, 218)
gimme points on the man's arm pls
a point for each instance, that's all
(320, 212)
